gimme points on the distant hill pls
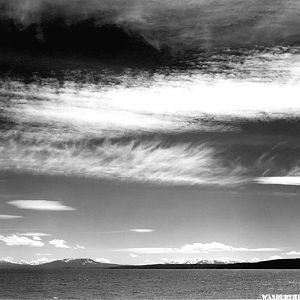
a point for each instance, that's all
(85, 263)
(10, 265)
(75, 263)
(269, 264)
(82, 263)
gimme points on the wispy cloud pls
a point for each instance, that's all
(111, 134)
(142, 230)
(283, 180)
(32, 234)
(15, 240)
(9, 217)
(59, 243)
(182, 163)
(197, 248)
(43, 205)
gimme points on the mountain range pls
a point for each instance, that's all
(85, 263)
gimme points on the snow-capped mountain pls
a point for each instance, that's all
(57, 264)
(76, 263)
(202, 261)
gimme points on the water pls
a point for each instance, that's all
(147, 284)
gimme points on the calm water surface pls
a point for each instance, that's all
(147, 284)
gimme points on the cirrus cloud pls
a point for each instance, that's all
(282, 180)
(9, 217)
(43, 205)
(142, 230)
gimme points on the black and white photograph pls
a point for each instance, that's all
(150, 149)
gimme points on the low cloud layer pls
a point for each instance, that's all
(196, 248)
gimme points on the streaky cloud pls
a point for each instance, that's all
(197, 248)
(9, 217)
(109, 133)
(182, 163)
(282, 180)
(34, 234)
(142, 230)
(42, 205)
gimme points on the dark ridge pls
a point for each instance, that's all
(80, 263)
(270, 264)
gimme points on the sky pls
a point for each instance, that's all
(156, 166)
(191, 24)
(133, 174)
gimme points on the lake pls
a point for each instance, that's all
(147, 284)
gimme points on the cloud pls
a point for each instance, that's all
(197, 248)
(293, 253)
(43, 205)
(9, 217)
(38, 261)
(15, 240)
(59, 243)
(140, 230)
(275, 257)
(79, 247)
(102, 260)
(283, 180)
(133, 255)
(34, 234)
(111, 134)
(182, 163)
